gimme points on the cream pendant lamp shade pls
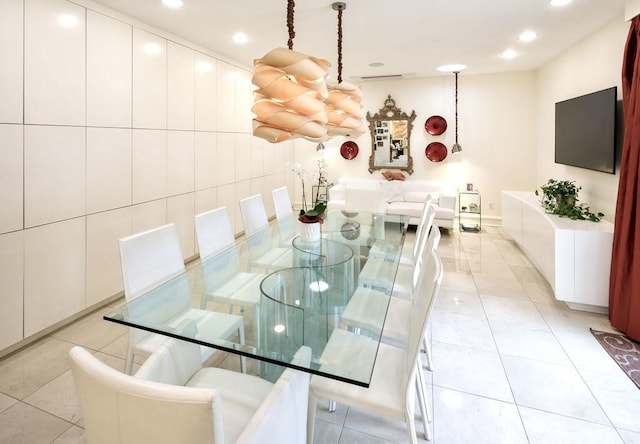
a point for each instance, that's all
(289, 101)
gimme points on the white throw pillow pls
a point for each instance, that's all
(393, 191)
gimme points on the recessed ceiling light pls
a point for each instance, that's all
(527, 36)
(456, 67)
(509, 54)
(240, 38)
(560, 2)
(173, 4)
(376, 64)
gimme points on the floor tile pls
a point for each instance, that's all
(618, 396)
(462, 302)
(379, 426)
(463, 418)
(26, 371)
(629, 437)
(454, 328)
(58, 397)
(585, 351)
(520, 310)
(22, 423)
(471, 371)
(533, 341)
(503, 287)
(6, 402)
(552, 388)
(73, 435)
(91, 331)
(543, 428)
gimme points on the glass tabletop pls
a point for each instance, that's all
(289, 292)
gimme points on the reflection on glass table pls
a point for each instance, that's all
(299, 305)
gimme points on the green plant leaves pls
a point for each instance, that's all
(560, 197)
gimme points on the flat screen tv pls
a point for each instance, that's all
(586, 131)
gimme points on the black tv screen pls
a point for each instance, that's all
(586, 131)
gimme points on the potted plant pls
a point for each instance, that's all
(310, 218)
(560, 197)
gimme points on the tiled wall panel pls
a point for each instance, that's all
(180, 162)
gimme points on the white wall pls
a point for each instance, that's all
(103, 139)
(592, 65)
(497, 122)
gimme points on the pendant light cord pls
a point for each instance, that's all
(456, 73)
(292, 33)
(340, 45)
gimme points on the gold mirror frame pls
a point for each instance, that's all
(387, 128)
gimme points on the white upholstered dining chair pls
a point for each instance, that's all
(285, 218)
(172, 399)
(149, 259)
(396, 384)
(224, 281)
(262, 251)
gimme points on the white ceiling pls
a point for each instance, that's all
(408, 36)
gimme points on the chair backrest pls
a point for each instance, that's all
(282, 415)
(150, 258)
(282, 203)
(368, 200)
(213, 231)
(423, 301)
(129, 410)
(426, 221)
(254, 214)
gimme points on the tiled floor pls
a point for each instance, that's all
(512, 365)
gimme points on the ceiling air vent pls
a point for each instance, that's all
(384, 77)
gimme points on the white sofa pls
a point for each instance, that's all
(402, 197)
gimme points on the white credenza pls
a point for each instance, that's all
(574, 256)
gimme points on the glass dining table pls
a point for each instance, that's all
(300, 296)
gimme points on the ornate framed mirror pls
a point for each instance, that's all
(390, 130)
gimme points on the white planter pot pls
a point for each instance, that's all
(310, 232)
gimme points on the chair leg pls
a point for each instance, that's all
(411, 427)
(128, 363)
(422, 391)
(311, 416)
(427, 349)
(243, 360)
(332, 406)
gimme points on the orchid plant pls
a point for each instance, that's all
(315, 214)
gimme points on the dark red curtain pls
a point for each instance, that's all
(624, 285)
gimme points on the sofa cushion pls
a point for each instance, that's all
(393, 191)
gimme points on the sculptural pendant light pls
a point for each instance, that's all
(456, 148)
(344, 104)
(292, 88)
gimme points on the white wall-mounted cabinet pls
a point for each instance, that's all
(11, 68)
(54, 63)
(54, 273)
(11, 303)
(11, 177)
(149, 80)
(54, 173)
(107, 128)
(574, 256)
(206, 92)
(180, 87)
(108, 71)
